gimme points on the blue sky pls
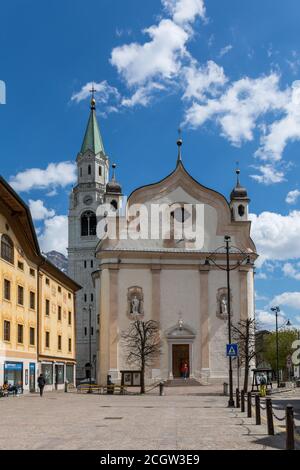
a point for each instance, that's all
(226, 72)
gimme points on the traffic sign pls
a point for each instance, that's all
(232, 350)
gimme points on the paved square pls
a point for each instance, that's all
(186, 418)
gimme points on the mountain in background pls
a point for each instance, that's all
(58, 259)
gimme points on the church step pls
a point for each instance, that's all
(178, 382)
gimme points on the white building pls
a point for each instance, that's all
(168, 279)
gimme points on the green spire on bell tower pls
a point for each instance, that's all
(92, 138)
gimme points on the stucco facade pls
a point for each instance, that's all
(180, 288)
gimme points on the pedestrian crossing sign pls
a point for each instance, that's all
(232, 350)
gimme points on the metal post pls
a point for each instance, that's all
(257, 410)
(249, 405)
(161, 389)
(270, 422)
(242, 401)
(90, 347)
(231, 400)
(237, 394)
(277, 348)
(290, 438)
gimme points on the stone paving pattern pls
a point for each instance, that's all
(185, 418)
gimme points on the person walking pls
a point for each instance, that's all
(41, 383)
(185, 370)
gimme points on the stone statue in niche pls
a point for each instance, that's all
(135, 300)
(222, 303)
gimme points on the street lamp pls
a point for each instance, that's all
(277, 310)
(90, 345)
(228, 268)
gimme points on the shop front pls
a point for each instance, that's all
(13, 374)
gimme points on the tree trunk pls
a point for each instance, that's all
(246, 377)
(142, 379)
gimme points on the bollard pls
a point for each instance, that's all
(270, 422)
(242, 401)
(161, 389)
(257, 410)
(225, 389)
(237, 394)
(289, 419)
(66, 387)
(249, 405)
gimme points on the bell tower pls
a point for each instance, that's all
(239, 201)
(87, 194)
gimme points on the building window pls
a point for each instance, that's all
(241, 210)
(6, 289)
(80, 171)
(20, 334)
(84, 264)
(70, 345)
(59, 342)
(32, 336)
(32, 272)
(92, 330)
(85, 297)
(6, 330)
(92, 297)
(98, 319)
(32, 300)
(100, 170)
(89, 170)
(114, 204)
(47, 339)
(92, 263)
(59, 313)
(47, 281)
(69, 295)
(20, 295)
(85, 331)
(88, 224)
(21, 265)
(70, 318)
(59, 289)
(47, 305)
(7, 249)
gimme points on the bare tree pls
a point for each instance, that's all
(142, 342)
(244, 333)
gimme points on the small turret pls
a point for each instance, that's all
(113, 193)
(239, 200)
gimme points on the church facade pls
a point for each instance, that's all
(161, 257)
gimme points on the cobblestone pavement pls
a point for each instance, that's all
(185, 418)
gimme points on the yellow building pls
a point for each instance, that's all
(37, 314)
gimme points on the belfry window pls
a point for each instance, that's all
(88, 224)
(89, 170)
(241, 210)
(7, 249)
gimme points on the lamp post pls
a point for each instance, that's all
(228, 268)
(90, 345)
(277, 310)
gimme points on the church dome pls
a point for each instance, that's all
(113, 186)
(238, 192)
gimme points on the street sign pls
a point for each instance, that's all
(232, 350)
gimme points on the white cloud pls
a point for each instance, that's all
(55, 234)
(261, 276)
(142, 96)
(276, 236)
(160, 57)
(289, 299)
(292, 196)
(269, 175)
(267, 319)
(185, 11)
(225, 50)
(39, 211)
(202, 79)
(55, 175)
(103, 92)
(290, 271)
(239, 108)
(282, 131)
